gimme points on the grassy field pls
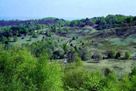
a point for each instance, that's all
(120, 67)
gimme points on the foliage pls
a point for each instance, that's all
(127, 55)
(80, 80)
(118, 55)
(20, 71)
(111, 54)
(84, 53)
(38, 66)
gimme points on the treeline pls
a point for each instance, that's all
(60, 26)
(46, 21)
(12, 32)
(112, 21)
(109, 21)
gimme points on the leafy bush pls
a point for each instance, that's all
(84, 53)
(20, 71)
(127, 55)
(58, 54)
(111, 54)
(118, 55)
(81, 80)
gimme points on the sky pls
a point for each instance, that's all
(67, 9)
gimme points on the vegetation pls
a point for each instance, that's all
(127, 55)
(20, 70)
(51, 54)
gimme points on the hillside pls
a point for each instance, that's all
(52, 53)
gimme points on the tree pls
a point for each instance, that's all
(58, 54)
(15, 38)
(84, 53)
(111, 54)
(65, 48)
(53, 28)
(127, 55)
(34, 35)
(97, 57)
(71, 55)
(49, 75)
(78, 61)
(118, 55)
(4, 39)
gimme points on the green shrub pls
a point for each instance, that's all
(78, 62)
(50, 75)
(118, 55)
(127, 55)
(20, 71)
(84, 53)
(110, 83)
(111, 54)
(81, 80)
